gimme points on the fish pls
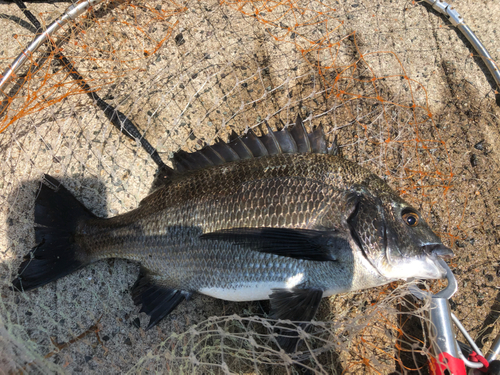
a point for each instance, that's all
(279, 217)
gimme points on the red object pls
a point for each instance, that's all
(474, 357)
(445, 362)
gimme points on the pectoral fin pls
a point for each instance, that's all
(296, 305)
(304, 244)
(157, 301)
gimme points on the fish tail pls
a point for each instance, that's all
(57, 216)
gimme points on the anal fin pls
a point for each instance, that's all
(157, 301)
(296, 304)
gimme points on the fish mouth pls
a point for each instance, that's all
(438, 250)
(433, 252)
(426, 265)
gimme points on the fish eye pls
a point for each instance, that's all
(410, 218)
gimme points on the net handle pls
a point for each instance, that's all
(70, 14)
(457, 20)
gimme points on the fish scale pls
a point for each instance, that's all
(277, 217)
(297, 202)
(291, 204)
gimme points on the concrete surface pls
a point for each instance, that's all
(227, 73)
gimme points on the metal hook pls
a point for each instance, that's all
(446, 293)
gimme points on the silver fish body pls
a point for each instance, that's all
(274, 217)
(301, 191)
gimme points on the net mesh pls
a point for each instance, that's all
(395, 84)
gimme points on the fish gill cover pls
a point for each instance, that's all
(392, 80)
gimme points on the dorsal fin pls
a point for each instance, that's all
(270, 142)
(184, 161)
(225, 151)
(241, 149)
(299, 134)
(335, 149)
(317, 141)
(211, 154)
(162, 177)
(254, 144)
(287, 141)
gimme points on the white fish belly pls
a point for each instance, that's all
(251, 291)
(243, 292)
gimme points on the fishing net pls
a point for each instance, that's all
(396, 84)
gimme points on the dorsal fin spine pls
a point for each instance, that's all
(335, 149)
(286, 141)
(227, 148)
(287, 134)
(236, 144)
(317, 140)
(254, 144)
(206, 158)
(271, 135)
(221, 159)
(271, 143)
(299, 134)
(262, 145)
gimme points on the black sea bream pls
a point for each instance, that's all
(278, 217)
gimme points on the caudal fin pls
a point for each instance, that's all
(57, 215)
